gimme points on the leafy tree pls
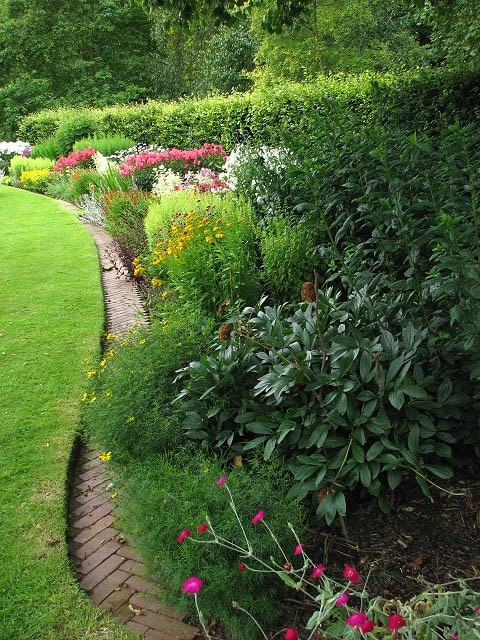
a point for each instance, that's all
(88, 52)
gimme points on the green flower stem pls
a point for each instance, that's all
(235, 605)
(201, 618)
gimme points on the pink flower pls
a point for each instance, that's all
(291, 634)
(477, 610)
(395, 621)
(318, 571)
(351, 574)
(298, 549)
(241, 567)
(368, 625)
(287, 566)
(202, 528)
(356, 619)
(221, 480)
(342, 599)
(258, 516)
(182, 535)
(192, 585)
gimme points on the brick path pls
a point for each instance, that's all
(107, 565)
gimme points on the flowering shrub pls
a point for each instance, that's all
(76, 159)
(343, 609)
(10, 149)
(141, 165)
(258, 173)
(35, 179)
(207, 253)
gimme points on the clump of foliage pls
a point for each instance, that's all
(106, 146)
(124, 215)
(46, 149)
(74, 128)
(179, 491)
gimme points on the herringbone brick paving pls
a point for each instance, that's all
(108, 567)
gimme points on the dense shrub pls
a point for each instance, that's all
(78, 126)
(47, 149)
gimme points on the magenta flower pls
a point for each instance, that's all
(192, 585)
(202, 527)
(477, 610)
(287, 566)
(182, 535)
(395, 621)
(318, 571)
(291, 634)
(342, 599)
(221, 480)
(356, 619)
(351, 574)
(258, 516)
(298, 549)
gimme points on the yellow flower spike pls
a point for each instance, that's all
(105, 455)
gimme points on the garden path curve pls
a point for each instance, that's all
(106, 563)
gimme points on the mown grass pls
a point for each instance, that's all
(51, 320)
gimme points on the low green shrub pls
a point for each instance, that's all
(288, 256)
(106, 146)
(47, 149)
(84, 181)
(170, 495)
(126, 407)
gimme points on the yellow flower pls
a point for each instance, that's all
(108, 393)
(84, 396)
(103, 362)
(142, 341)
(111, 336)
(208, 239)
(130, 419)
(113, 495)
(91, 373)
(105, 455)
(93, 398)
(219, 235)
(156, 282)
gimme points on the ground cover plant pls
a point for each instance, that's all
(51, 321)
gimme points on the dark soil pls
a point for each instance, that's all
(421, 541)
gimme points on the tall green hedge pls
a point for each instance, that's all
(419, 99)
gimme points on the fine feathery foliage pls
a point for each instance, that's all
(177, 492)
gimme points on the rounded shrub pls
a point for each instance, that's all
(72, 129)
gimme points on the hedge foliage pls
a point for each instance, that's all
(413, 100)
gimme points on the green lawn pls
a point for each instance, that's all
(51, 320)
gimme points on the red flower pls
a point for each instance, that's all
(182, 535)
(396, 621)
(291, 634)
(318, 571)
(368, 625)
(241, 567)
(351, 574)
(202, 528)
(258, 516)
(287, 566)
